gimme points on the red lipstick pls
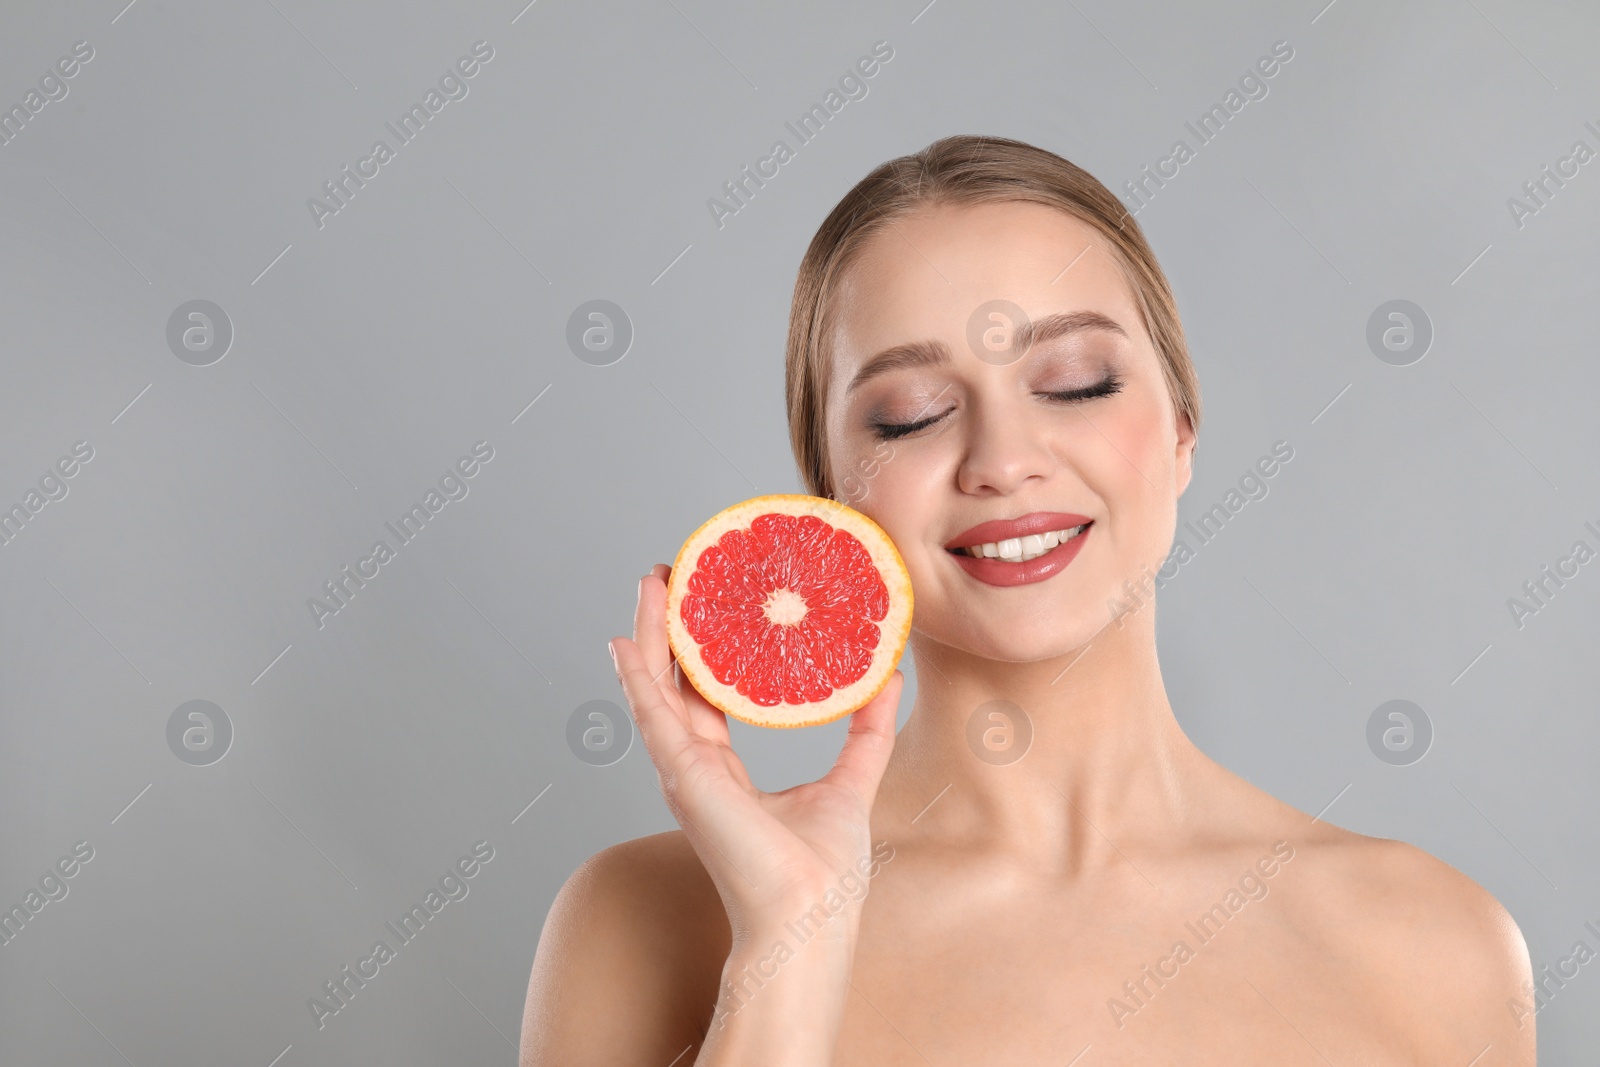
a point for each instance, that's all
(995, 571)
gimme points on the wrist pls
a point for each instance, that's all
(783, 993)
(827, 917)
(785, 958)
(798, 926)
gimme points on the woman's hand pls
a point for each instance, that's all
(772, 856)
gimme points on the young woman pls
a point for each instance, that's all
(1057, 874)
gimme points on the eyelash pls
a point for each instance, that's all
(886, 431)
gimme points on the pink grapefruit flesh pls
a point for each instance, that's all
(788, 610)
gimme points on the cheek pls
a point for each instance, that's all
(853, 468)
(864, 476)
(1139, 433)
(892, 484)
(1133, 475)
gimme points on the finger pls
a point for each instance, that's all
(662, 719)
(705, 718)
(663, 727)
(650, 625)
(712, 805)
(866, 749)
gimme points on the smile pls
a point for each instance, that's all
(1021, 549)
(1006, 552)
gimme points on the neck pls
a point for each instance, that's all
(1103, 760)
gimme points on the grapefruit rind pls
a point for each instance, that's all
(894, 630)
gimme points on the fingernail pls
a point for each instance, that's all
(613, 650)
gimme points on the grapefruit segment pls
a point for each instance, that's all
(788, 610)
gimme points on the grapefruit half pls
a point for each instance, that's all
(788, 610)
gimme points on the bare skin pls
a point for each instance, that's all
(1114, 894)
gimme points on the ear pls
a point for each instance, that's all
(1183, 458)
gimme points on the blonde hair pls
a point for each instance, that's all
(962, 170)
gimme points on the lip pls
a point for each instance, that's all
(994, 572)
(1003, 529)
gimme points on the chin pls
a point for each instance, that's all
(1016, 641)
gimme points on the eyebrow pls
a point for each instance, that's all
(937, 353)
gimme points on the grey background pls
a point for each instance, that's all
(369, 755)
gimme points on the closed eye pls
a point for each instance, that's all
(1111, 384)
(889, 431)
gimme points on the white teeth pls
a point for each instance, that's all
(1022, 549)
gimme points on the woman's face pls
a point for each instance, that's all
(963, 428)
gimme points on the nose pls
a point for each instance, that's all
(1005, 449)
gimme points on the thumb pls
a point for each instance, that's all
(861, 762)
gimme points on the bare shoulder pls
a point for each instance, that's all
(1424, 940)
(629, 960)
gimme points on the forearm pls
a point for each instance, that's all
(782, 999)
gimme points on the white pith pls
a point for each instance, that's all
(1022, 549)
(784, 607)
